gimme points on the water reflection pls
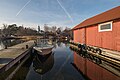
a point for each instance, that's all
(42, 64)
(23, 71)
(54, 66)
(5, 60)
(59, 43)
(96, 69)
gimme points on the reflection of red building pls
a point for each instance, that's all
(92, 70)
(102, 30)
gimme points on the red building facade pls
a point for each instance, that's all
(102, 30)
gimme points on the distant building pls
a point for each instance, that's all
(102, 30)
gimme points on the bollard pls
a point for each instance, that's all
(5, 46)
(26, 46)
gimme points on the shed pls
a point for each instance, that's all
(102, 30)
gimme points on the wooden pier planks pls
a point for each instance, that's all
(107, 55)
(14, 51)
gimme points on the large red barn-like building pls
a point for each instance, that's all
(102, 30)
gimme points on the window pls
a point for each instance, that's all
(105, 27)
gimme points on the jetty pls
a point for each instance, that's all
(107, 59)
(14, 54)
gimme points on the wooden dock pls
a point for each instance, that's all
(109, 59)
(105, 52)
(14, 54)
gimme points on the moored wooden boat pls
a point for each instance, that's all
(43, 47)
(44, 50)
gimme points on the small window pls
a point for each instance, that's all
(105, 27)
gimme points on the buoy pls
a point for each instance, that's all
(95, 51)
(98, 60)
(84, 47)
(92, 49)
(79, 45)
(91, 57)
(88, 48)
(99, 51)
(87, 55)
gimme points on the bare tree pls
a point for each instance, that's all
(46, 28)
(53, 29)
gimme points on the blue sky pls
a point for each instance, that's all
(62, 13)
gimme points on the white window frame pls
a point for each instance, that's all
(105, 24)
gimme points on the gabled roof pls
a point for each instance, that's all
(103, 17)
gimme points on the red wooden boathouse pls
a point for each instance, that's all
(102, 30)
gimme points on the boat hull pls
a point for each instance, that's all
(44, 51)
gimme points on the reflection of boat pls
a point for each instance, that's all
(44, 47)
(43, 63)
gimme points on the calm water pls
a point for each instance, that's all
(55, 66)
(58, 66)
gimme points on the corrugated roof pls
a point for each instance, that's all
(103, 17)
